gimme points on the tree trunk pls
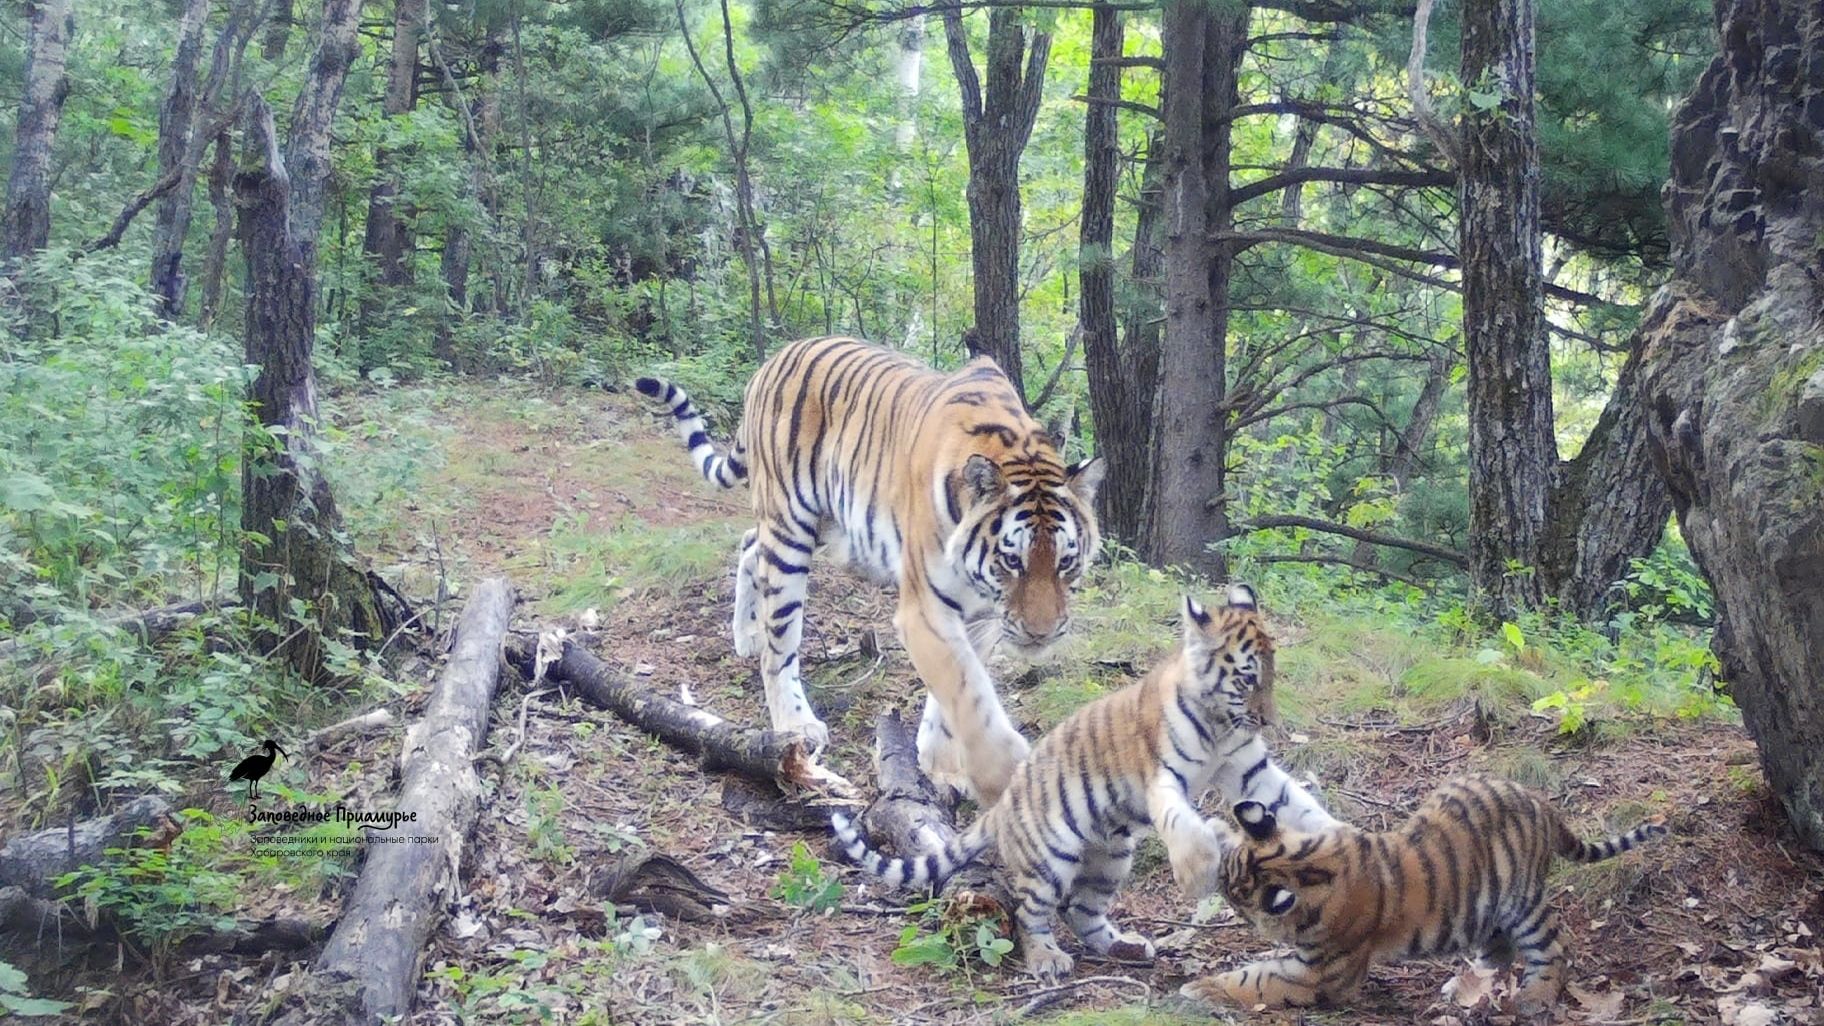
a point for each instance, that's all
(1142, 329)
(176, 125)
(1512, 450)
(221, 200)
(388, 238)
(294, 545)
(1203, 44)
(25, 225)
(1121, 378)
(481, 118)
(1401, 459)
(997, 122)
(1733, 376)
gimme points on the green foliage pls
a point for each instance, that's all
(166, 894)
(545, 826)
(804, 883)
(950, 942)
(16, 999)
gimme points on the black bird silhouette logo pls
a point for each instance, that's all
(252, 768)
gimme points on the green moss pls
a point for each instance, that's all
(1441, 680)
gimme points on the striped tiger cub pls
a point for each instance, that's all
(1132, 760)
(938, 484)
(1466, 874)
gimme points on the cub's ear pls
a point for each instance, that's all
(982, 480)
(1277, 901)
(1194, 618)
(1085, 478)
(1256, 820)
(1241, 596)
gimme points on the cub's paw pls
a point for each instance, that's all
(1046, 961)
(815, 732)
(1216, 990)
(1131, 947)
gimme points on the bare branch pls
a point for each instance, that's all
(1438, 552)
(1138, 108)
(1342, 175)
(1434, 127)
(1318, 557)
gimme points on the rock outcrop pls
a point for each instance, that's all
(1734, 375)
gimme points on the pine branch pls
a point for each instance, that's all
(1438, 552)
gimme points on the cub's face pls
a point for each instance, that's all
(1027, 533)
(1287, 885)
(1228, 657)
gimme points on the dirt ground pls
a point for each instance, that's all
(1720, 923)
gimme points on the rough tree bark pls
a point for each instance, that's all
(1733, 375)
(295, 545)
(1539, 529)
(997, 122)
(388, 237)
(221, 200)
(1511, 445)
(25, 225)
(1203, 45)
(176, 126)
(480, 113)
(1121, 377)
(371, 966)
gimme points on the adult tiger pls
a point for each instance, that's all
(941, 484)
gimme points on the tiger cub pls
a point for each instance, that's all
(1466, 874)
(1067, 824)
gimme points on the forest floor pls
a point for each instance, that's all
(588, 503)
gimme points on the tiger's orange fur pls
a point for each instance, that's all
(1125, 763)
(1466, 874)
(939, 484)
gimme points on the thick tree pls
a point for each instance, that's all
(1511, 442)
(1539, 528)
(1733, 376)
(25, 225)
(176, 129)
(295, 545)
(997, 122)
(1122, 376)
(388, 240)
(1203, 47)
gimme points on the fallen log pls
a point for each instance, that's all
(33, 862)
(148, 625)
(370, 968)
(761, 754)
(911, 818)
(46, 927)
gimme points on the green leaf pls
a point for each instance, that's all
(25, 493)
(1511, 631)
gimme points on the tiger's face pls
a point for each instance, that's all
(1287, 885)
(1228, 658)
(1026, 533)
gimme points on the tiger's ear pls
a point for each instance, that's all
(1241, 596)
(1195, 620)
(1278, 901)
(1085, 477)
(982, 480)
(1254, 818)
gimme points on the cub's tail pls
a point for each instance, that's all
(925, 873)
(1573, 847)
(721, 471)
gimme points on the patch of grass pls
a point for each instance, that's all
(827, 1008)
(1331, 760)
(596, 569)
(1059, 695)
(1524, 764)
(1129, 1015)
(1439, 681)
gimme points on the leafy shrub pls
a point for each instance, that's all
(805, 884)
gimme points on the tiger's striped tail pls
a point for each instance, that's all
(721, 471)
(925, 873)
(1576, 848)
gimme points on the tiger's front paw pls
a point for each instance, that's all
(815, 732)
(1218, 989)
(1131, 947)
(1045, 960)
(991, 767)
(1197, 871)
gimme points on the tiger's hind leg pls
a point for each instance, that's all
(782, 574)
(1275, 983)
(1538, 945)
(1105, 867)
(746, 622)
